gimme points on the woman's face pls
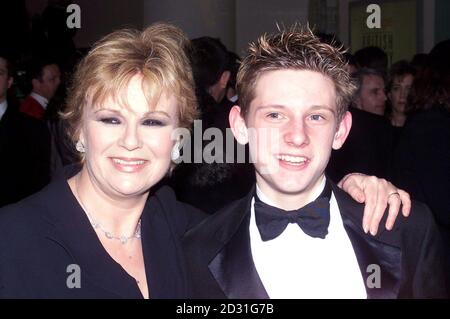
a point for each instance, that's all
(399, 92)
(128, 148)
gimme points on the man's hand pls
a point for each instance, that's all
(377, 193)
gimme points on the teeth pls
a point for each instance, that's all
(119, 161)
(292, 159)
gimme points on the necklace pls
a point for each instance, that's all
(123, 239)
(97, 225)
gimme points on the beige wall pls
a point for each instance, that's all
(427, 16)
(98, 17)
(215, 18)
(254, 17)
(236, 22)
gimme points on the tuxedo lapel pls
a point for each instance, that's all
(6, 130)
(381, 251)
(233, 267)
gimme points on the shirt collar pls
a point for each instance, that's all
(265, 199)
(41, 100)
(3, 107)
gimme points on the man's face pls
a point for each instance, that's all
(5, 79)
(372, 97)
(49, 82)
(291, 127)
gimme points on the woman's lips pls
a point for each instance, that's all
(128, 165)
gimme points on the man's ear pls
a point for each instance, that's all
(357, 102)
(342, 132)
(224, 78)
(237, 125)
(10, 81)
(35, 83)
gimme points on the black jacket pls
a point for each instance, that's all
(422, 161)
(422, 165)
(25, 156)
(220, 262)
(46, 233)
(368, 148)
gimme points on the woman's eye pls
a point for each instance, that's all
(153, 122)
(110, 120)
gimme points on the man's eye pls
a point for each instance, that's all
(274, 116)
(153, 122)
(110, 120)
(316, 117)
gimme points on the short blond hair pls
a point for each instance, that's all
(158, 53)
(294, 49)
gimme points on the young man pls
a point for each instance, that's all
(293, 93)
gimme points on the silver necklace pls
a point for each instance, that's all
(123, 239)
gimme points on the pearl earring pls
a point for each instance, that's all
(175, 152)
(80, 147)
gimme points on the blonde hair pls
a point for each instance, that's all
(299, 49)
(158, 53)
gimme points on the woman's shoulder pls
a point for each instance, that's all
(24, 208)
(25, 228)
(23, 219)
(32, 213)
(179, 214)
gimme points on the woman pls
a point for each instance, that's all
(101, 230)
(128, 95)
(401, 77)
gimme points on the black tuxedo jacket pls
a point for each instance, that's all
(48, 232)
(220, 262)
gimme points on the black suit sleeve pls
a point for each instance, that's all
(426, 255)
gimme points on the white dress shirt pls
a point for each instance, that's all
(3, 107)
(295, 265)
(41, 100)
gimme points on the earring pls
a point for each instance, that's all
(175, 154)
(80, 147)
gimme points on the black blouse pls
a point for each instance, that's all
(47, 241)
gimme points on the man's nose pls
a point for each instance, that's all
(296, 134)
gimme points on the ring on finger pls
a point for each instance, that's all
(394, 193)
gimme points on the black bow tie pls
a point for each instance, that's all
(313, 218)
